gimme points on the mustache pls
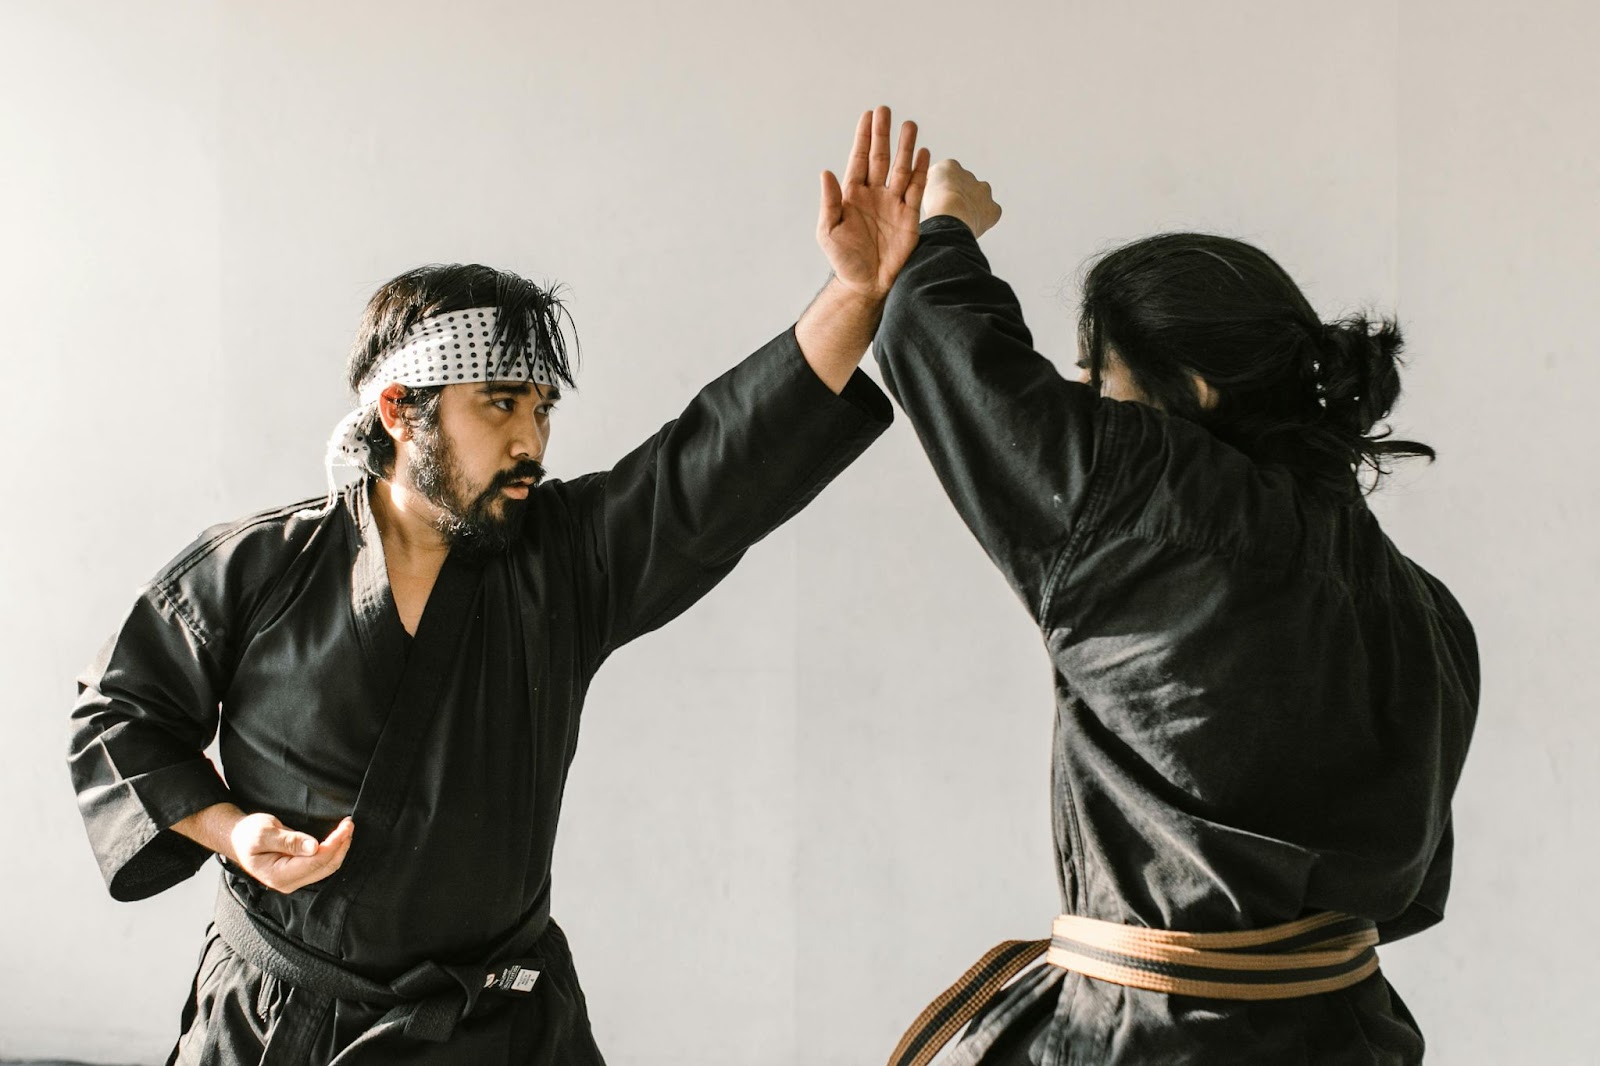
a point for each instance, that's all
(526, 470)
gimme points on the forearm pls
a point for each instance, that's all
(953, 342)
(749, 451)
(835, 331)
(212, 828)
(1010, 439)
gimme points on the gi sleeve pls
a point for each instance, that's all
(1427, 909)
(1012, 441)
(146, 710)
(670, 520)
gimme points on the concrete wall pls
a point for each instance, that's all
(808, 804)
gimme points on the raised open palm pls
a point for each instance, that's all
(868, 226)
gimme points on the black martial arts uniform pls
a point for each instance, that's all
(450, 750)
(1262, 707)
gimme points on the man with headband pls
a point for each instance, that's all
(398, 670)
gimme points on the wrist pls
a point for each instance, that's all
(863, 298)
(212, 828)
(953, 208)
(836, 329)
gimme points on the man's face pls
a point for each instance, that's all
(478, 462)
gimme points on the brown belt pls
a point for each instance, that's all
(1322, 953)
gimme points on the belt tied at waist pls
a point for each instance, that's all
(1320, 953)
(426, 1002)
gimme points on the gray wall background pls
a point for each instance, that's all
(811, 802)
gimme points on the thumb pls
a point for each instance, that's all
(832, 203)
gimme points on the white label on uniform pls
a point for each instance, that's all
(524, 980)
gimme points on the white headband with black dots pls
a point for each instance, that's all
(448, 349)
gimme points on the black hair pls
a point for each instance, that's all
(529, 324)
(1290, 388)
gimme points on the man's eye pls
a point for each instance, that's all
(547, 409)
(505, 403)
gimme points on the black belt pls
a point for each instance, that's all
(426, 1002)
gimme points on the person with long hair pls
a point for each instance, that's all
(1262, 707)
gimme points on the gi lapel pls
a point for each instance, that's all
(416, 696)
(372, 606)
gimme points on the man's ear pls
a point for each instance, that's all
(1203, 392)
(390, 413)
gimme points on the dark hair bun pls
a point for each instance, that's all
(1292, 390)
(1358, 373)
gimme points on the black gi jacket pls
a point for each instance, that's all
(284, 622)
(1262, 707)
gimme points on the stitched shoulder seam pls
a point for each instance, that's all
(180, 610)
(188, 562)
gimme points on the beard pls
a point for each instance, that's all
(479, 524)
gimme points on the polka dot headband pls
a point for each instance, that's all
(454, 348)
(451, 349)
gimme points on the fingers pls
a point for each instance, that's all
(288, 874)
(832, 209)
(900, 175)
(275, 838)
(285, 860)
(870, 159)
(918, 181)
(878, 155)
(330, 854)
(855, 171)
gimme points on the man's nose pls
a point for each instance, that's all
(530, 440)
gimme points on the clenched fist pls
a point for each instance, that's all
(955, 190)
